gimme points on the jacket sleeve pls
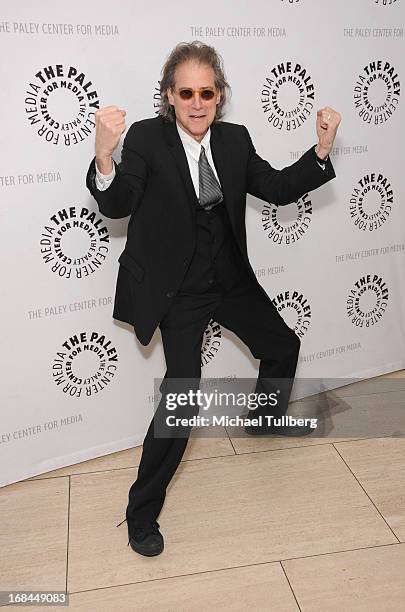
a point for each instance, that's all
(125, 192)
(284, 186)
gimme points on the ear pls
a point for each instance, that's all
(170, 96)
(218, 97)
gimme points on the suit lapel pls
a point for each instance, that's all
(177, 150)
(221, 157)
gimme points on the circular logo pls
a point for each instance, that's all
(211, 342)
(156, 98)
(377, 92)
(75, 242)
(287, 224)
(295, 310)
(367, 301)
(371, 202)
(85, 364)
(287, 96)
(60, 104)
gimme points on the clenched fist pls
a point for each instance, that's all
(327, 123)
(110, 124)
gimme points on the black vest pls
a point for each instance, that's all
(216, 264)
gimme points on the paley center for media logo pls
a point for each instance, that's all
(367, 300)
(377, 92)
(85, 364)
(74, 242)
(287, 96)
(287, 224)
(211, 342)
(384, 2)
(60, 104)
(371, 202)
(295, 310)
(157, 98)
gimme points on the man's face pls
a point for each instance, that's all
(196, 113)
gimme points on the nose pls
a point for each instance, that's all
(197, 101)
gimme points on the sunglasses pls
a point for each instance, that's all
(187, 93)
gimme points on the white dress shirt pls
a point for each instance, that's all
(192, 149)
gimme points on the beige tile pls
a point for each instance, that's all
(263, 587)
(121, 459)
(370, 580)
(397, 374)
(222, 513)
(201, 445)
(33, 535)
(327, 409)
(347, 387)
(379, 466)
(394, 381)
(253, 444)
(212, 442)
(363, 416)
(339, 418)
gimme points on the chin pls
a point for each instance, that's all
(200, 130)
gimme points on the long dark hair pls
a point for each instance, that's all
(199, 52)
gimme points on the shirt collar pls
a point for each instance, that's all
(192, 146)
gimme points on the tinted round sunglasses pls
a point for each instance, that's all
(187, 93)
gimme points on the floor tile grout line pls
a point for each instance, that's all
(68, 537)
(289, 584)
(343, 441)
(392, 436)
(127, 467)
(274, 450)
(224, 569)
(360, 394)
(235, 454)
(364, 490)
(183, 461)
(230, 440)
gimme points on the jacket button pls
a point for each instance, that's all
(170, 294)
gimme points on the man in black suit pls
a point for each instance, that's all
(183, 180)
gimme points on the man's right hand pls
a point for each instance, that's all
(110, 124)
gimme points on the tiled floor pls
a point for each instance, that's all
(275, 524)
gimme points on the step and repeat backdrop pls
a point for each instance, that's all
(75, 383)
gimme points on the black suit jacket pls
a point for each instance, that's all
(153, 185)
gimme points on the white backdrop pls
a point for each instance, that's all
(77, 384)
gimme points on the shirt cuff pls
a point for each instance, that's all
(319, 161)
(103, 181)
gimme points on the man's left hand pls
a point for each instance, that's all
(327, 123)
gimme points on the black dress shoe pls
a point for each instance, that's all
(144, 537)
(282, 430)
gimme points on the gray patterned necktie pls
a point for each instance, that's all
(210, 190)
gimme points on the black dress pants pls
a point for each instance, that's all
(250, 314)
